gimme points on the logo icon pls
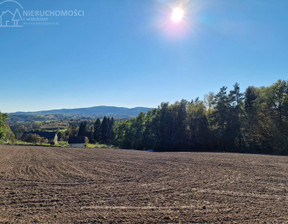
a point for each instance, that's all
(11, 14)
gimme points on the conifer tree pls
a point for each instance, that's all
(97, 131)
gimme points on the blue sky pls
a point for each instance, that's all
(129, 53)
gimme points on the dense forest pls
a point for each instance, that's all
(254, 121)
(97, 132)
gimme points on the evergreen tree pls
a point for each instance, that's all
(91, 134)
(97, 131)
(179, 130)
(233, 132)
(250, 123)
(105, 130)
(110, 131)
(164, 127)
(219, 118)
(83, 129)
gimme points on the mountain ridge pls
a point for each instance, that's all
(95, 111)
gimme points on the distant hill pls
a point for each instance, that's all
(96, 112)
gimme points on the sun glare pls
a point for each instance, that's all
(177, 15)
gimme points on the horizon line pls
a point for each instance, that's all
(75, 108)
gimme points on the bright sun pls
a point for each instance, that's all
(177, 15)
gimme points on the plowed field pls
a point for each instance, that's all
(55, 185)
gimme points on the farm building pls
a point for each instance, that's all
(51, 136)
(77, 142)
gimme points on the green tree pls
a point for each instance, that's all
(198, 127)
(110, 131)
(105, 130)
(251, 121)
(123, 137)
(3, 130)
(234, 132)
(34, 138)
(164, 127)
(208, 101)
(277, 95)
(219, 119)
(83, 129)
(179, 128)
(97, 131)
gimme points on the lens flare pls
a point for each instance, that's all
(177, 15)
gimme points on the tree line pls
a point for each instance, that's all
(255, 121)
(101, 131)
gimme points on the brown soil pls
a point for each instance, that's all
(54, 185)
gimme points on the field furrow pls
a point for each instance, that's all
(56, 185)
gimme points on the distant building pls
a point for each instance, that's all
(77, 142)
(51, 136)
